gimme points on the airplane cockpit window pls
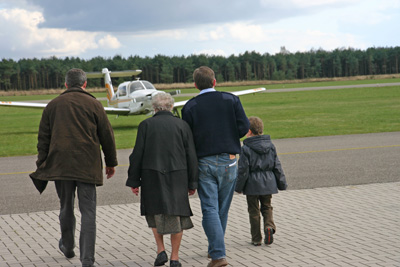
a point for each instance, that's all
(133, 86)
(122, 91)
(148, 85)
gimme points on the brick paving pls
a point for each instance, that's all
(333, 226)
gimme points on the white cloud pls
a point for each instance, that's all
(369, 13)
(387, 4)
(247, 33)
(307, 39)
(264, 26)
(216, 34)
(109, 42)
(170, 34)
(320, 3)
(20, 32)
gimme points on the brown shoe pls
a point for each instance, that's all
(217, 263)
(269, 236)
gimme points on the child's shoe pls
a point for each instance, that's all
(269, 236)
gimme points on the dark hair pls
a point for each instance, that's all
(256, 125)
(203, 77)
(75, 78)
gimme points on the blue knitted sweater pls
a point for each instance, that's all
(218, 121)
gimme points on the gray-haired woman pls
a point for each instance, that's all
(164, 164)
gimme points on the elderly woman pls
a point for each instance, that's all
(164, 164)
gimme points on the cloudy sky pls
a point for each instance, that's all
(90, 28)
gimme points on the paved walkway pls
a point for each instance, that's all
(336, 226)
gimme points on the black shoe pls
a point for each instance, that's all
(68, 254)
(161, 259)
(175, 264)
(269, 236)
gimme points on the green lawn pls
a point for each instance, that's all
(285, 115)
(327, 112)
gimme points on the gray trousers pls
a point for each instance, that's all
(87, 206)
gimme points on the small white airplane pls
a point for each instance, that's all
(131, 98)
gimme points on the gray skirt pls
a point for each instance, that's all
(169, 224)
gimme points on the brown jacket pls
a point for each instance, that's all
(72, 128)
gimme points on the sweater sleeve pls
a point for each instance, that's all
(242, 121)
(186, 117)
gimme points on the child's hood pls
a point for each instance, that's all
(261, 144)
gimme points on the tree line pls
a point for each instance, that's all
(49, 73)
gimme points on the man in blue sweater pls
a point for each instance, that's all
(218, 121)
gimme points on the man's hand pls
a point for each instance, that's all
(135, 190)
(191, 192)
(110, 171)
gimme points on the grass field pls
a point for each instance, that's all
(285, 115)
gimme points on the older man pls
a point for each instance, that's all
(72, 128)
(164, 164)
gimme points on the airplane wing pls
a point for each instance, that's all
(123, 73)
(109, 110)
(23, 104)
(249, 91)
(237, 93)
(117, 111)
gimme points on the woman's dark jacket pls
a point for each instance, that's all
(73, 127)
(164, 164)
(260, 171)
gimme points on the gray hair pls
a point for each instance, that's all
(162, 101)
(75, 78)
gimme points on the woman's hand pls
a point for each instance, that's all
(135, 190)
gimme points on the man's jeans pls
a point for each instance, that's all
(87, 206)
(217, 180)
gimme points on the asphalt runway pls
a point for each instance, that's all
(308, 163)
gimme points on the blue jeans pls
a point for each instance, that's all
(217, 180)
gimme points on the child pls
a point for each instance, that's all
(260, 175)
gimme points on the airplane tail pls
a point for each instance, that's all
(108, 84)
(107, 78)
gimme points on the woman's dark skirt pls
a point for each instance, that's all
(169, 224)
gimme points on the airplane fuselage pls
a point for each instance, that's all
(135, 96)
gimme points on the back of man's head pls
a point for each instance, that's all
(204, 77)
(256, 125)
(75, 78)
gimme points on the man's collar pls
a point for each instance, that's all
(77, 89)
(207, 90)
